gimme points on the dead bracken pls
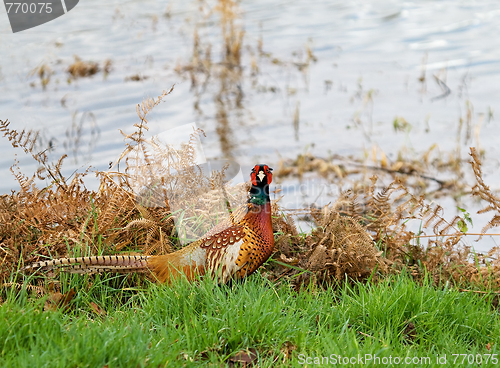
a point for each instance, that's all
(82, 69)
(364, 235)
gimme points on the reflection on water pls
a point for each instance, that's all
(82, 136)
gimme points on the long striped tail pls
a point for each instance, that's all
(94, 264)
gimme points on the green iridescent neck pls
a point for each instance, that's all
(259, 194)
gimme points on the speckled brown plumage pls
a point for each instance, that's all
(233, 249)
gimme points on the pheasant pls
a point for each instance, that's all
(231, 250)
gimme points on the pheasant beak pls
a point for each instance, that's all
(261, 175)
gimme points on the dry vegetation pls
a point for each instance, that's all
(221, 72)
(82, 69)
(78, 69)
(356, 173)
(362, 235)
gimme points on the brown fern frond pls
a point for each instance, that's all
(432, 217)
(26, 184)
(450, 226)
(141, 223)
(484, 192)
(292, 226)
(25, 140)
(494, 222)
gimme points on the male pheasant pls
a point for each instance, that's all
(231, 250)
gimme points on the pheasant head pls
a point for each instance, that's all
(261, 176)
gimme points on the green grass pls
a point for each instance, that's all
(206, 324)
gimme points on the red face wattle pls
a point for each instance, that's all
(259, 172)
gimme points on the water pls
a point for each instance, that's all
(370, 56)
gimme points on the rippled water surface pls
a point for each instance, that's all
(429, 62)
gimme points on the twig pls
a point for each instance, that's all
(446, 90)
(456, 234)
(364, 334)
(390, 171)
(479, 291)
(282, 274)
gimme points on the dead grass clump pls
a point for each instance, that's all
(44, 72)
(349, 247)
(78, 69)
(136, 78)
(339, 247)
(412, 172)
(82, 69)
